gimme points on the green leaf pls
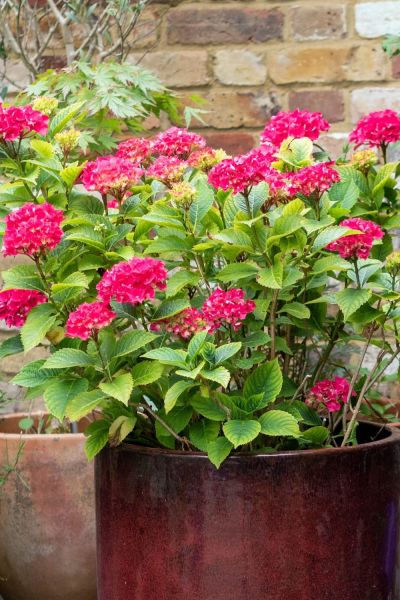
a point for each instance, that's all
(64, 116)
(39, 321)
(333, 262)
(69, 357)
(172, 395)
(218, 450)
(350, 300)
(203, 432)
(279, 423)
(83, 404)
(180, 280)
(301, 412)
(316, 435)
(271, 277)
(177, 419)
(267, 379)
(44, 149)
(196, 344)
(58, 393)
(146, 372)
(120, 428)
(10, 346)
(223, 353)
(296, 309)
(236, 271)
(22, 277)
(71, 173)
(167, 356)
(98, 437)
(328, 235)
(220, 375)
(241, 432)
(202, 203)
(26, 423)
(119, 388)
(132, 341)
(33, 374)
(208, 408)
(169, 308)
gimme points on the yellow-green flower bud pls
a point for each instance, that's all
(364, 159)
(67, 139)
(45, 104)
(393, 261)
(183, 193)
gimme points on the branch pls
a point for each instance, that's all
(67, 36)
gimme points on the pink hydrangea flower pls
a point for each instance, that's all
(332, 393)
(357, 245)
(228, 307)
(314, 179)
(133, 281)
(136, 149)
(15, 305)
(110, 175)
(297, 124)
(16, 122)
(243, 171)
(177, 141)
(32, 229)
(168, 169)
(376, 129)
(87, 319)
(184, 324)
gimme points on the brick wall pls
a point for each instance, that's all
(249, 59)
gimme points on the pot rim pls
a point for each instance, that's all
(34, 436)
(392, 438)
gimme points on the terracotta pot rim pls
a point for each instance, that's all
(34, 436)
(392, 438)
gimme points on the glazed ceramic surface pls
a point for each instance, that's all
(313, 525)
(47, 521)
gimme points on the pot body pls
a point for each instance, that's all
(47, 520)
(311, 525)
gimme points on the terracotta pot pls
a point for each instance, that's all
(47, 523)
(310, 525)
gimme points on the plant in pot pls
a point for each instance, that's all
(211, 316)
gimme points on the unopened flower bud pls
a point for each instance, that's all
(393, 262)
(364, 159)
(45, 105)
(183, 193)
(67, 139)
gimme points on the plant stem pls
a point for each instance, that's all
(357, 272)
(182, 440)
(272, 332)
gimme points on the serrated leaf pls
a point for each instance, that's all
(241, 432)
(33, 374)
(180, 280)
(120, 428)
(44, 149)
(83, 404)
(69, 357)
(223, 353)
(119, 388)
(169, 308)
(267, 379)
(329, 235)
(218, 450)
(350, 300)
(177, 419)
(146, 372)
(333, 262)
(279, 423)
(58, 393)
(10, 346)
(296, 309)
(22, 277)
(71, 173)
(132, 341)
(98, 437)
(196, 344)
(208, 408)
(174, 392)
(236, 271)
(167, 356)
(64, 116)
(202, 203)
(203, 432)
(39, 321)
(316, 435)
(219, 375)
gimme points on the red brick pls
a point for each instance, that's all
(192, 25)
(318, 22)
(53, 62)
(233, 142)
(396, 67)
(329, 102)
(230, 110)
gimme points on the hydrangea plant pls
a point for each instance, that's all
(197, 301)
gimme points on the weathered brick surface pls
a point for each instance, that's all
(329, 102)
(308, 65)
(203, 25)
(240, 67)
(364, 100)
(318, 22)
(374, 19)
(231, 110)
(181, 68)
(231, 141)
(396, 67)
(367, 63)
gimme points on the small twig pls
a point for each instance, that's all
(182, 440)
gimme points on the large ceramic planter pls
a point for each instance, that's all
(313, 525)
(47, 522)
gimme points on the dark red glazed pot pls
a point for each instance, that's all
(311, 525)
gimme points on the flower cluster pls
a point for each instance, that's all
(184, 324)
(16, 122)
(243, 171)
(178, 142)
(183, 193)
(67, 139)
(364, 159)
(15, 305)
(314, 179)
(137, 150)
(88, 318)
(393, 262)
(133, 281)
(357, 245)
(227, 308)
(110, 175)
(377, 129)
(32, 229)
(45, 104)
(297, 124)
(168, 169)
(331, 393)
(206, 158)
